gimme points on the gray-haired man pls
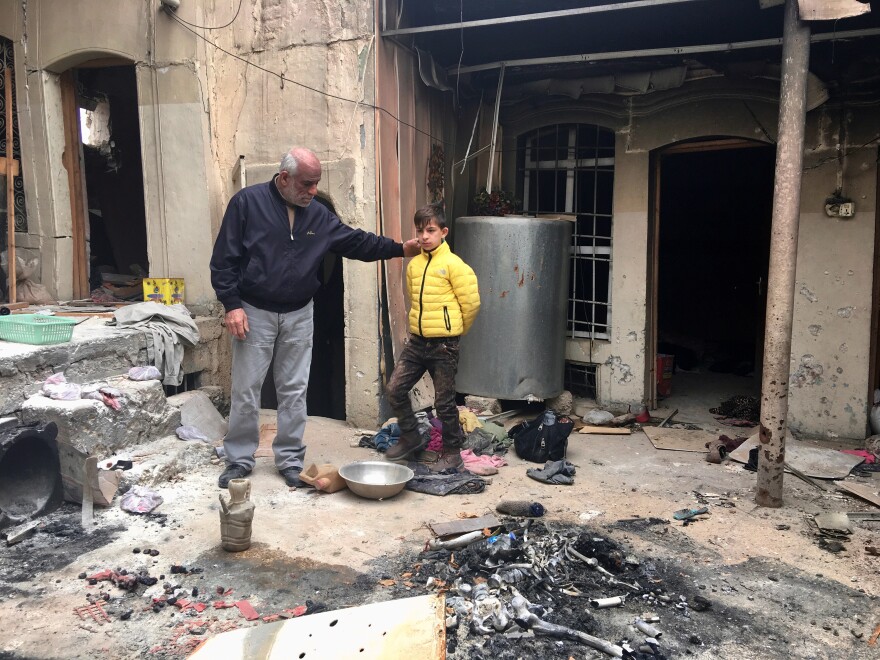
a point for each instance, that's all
(264, 270)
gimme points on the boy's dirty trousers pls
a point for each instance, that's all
(287, 337)
(439, 357)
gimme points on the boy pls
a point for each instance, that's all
(444, 302)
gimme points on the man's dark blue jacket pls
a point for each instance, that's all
(257, 260)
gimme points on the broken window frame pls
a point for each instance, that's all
(591, 251)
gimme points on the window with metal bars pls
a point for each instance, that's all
(569, 169)
(580, 379)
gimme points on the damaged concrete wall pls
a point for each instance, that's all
(52, 37)
(328, 46)
(831, 338)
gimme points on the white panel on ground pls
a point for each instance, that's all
(405, 628)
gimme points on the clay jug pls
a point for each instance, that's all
(236, 516)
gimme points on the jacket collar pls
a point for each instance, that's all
(273, 187)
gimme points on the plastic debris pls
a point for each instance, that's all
(140, 500)
(144, 373)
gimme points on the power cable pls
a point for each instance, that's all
(205, 27)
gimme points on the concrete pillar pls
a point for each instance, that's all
(783, 256)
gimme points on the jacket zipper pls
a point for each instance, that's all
(291, 220)
(446, 319)
(422, 291)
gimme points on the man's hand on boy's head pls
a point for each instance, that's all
(411, 248)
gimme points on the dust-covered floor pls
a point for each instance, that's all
(771, 590)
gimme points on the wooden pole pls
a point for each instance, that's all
(10, 189)
(783, 256)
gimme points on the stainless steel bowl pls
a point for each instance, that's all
(376, 480)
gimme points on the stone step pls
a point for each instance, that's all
(94, 428)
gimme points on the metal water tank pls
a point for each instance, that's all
(516, 347)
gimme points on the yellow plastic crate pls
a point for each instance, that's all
(36, 329)
(165, 290)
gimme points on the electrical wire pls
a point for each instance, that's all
(205, 27)
(283, 80)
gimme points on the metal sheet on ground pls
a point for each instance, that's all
(817, 462)
(464, 525)
(864, 491)
(405, 628)
(679, 439)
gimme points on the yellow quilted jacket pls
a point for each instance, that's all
(443, 293)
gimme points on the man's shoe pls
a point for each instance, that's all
(450, 459)
(291, 477)
(232, 471)
(406, 447)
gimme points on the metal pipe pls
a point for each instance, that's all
(671, 50)
(783, 256)
(602, 603)
(459, 542)
(538, 16)
(495, 129)
(647, 629)
(11, 263)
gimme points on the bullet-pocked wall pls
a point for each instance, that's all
(50, 38)
(322, 50)
(831, 337)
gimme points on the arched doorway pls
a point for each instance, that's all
(710, 247)
(105, 174)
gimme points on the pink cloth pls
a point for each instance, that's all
(868, 456)
(482, 465)
(436, 441)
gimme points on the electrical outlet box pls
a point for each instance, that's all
(846, 210)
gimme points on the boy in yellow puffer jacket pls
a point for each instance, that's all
(444, 303)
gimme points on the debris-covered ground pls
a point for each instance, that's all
(740, 582)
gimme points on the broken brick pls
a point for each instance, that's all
(271, 618)
(247, 610)
(95, 611)
(101, 575)
(222, 605)
(299, 610)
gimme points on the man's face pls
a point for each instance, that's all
(302, 187)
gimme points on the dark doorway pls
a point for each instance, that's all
(714, 232)
(111, 148)
(326, 394)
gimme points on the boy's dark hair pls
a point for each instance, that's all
(430, 212)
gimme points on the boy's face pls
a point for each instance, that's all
(430, 236)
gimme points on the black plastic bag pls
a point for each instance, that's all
(543, 439)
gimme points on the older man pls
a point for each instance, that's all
(265, 271)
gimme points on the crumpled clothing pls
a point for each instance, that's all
(746, 408)
(436, 442)
(868, 456)
(468, 420)
(496, 430)
(483, 442)
(169, 327)
(387, 436)
(482, 465)
(447, 484)
(554, 472)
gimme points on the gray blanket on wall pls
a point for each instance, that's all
(169, 327)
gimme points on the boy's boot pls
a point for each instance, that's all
(450, 459)
(407, 446)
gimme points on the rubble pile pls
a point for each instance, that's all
(555, 587)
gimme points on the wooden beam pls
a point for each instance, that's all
(76, 183)
(16, 167)
(714, 145)
(10, 192)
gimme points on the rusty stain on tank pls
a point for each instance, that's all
(522, 280)
(504, 294)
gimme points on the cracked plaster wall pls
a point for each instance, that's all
(51, 37)
(831, 336)
(327, 45)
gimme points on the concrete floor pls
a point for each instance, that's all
(694, 393)
(619, 477)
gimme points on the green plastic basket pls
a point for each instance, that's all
(36, 329)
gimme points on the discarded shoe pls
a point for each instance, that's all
(232, 471)
(687, 514)
(560, 473)
(406, 447)
(291, 477)
(521, 508)
(717, 451)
